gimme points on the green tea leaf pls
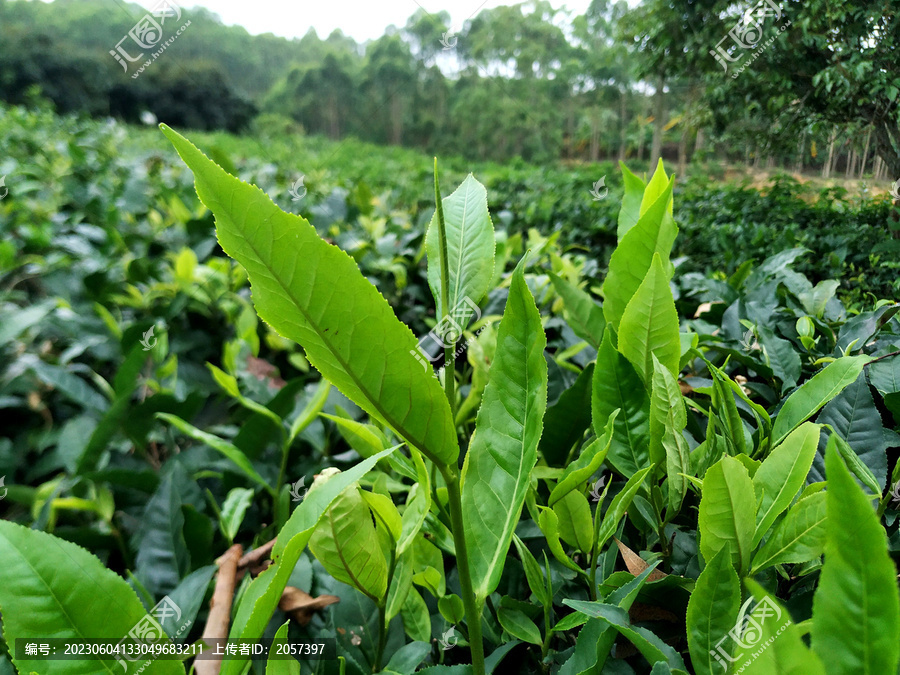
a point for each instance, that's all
(533, 573)
(232, 452)
(162, 556)
(668, 417)
(233, 510)
(728, 512)
(52, 588)
(344, 542)
(782, 649)
(816, 392)
(616, 386)
(631, 201)
(799, 538)
(617, 508)
(549, 524)
(649, 325)
(712, 612)
(517, 624)
(653, 234)
(651, 646)
(782, 474)
(656, 187)
(358, 343)
(276, 666)
(470, 246)
(261, 597)
(856, 608)
(575, 522)
(854, 416)
(586, 464)
(584, 316)
(418, 503)
(504, 449)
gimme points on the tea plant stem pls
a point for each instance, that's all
(382, 614)
(473, 611)
(449, 370)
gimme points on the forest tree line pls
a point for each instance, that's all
(819, 93)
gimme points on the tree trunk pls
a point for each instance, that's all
(623, 123)
(698, 143)
(865, 157)
(798, 167)
(659, 112)
(826, 170)
(595, 135)
(887, 147)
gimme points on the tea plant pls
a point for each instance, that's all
(556, 502)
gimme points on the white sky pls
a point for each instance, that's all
(360, 19)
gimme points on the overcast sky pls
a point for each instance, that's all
(360, 19)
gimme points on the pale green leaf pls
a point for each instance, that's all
(712, 612)
(517, 624)
(799, 538)
(630, 210)
(668, 418)
(728, 512)
(816, 392)
(653, 234)
(503, 451)
(313, 293)
(261, 597)
(649, 325)
(780, 649)
(782, 474)
(470, 246)
(52, 588)
(345, 543)
(856, 608)
(616, 386)
(282, 666)
(233, 510)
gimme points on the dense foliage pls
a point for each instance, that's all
(628, 465)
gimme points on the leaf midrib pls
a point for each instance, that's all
(462, 238)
